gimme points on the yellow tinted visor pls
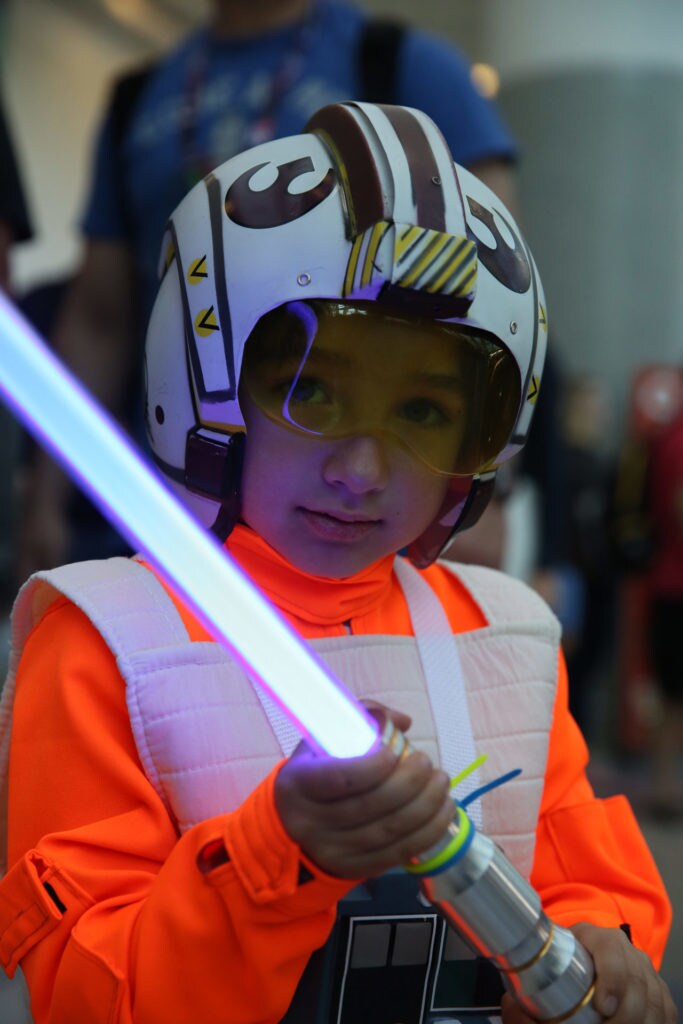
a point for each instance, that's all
(331, 370)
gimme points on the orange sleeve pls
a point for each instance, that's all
(131, 928)
(592, 862)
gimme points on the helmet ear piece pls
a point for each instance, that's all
(463, 505)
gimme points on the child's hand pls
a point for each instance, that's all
(358, 817)
(628, 990)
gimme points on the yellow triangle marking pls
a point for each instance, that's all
(532, 393)
(206, 323)
(542, 318)
(197, 271)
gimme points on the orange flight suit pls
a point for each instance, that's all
(117, 919)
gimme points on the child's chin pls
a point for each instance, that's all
(336, 564)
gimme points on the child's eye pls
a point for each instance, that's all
(308, 390)
(425, 413)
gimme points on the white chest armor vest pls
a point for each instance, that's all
(207, 736)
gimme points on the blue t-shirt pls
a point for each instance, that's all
(210, 99)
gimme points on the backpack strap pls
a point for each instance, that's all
(126, 93)
(379, 51)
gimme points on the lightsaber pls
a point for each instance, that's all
(468, 878)
(57, 410)
(465, 875)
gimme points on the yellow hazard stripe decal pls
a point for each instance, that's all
(463, 267)
(377, 234)
(352, 264)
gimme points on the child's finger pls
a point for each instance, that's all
(402, 828)
(610, 948)
(412, 790)
(376, 848)
(628, 990)
(401, 720)
(647, 999)
(325, 780)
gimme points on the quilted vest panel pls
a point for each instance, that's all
(206, 736)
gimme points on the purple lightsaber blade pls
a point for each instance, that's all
(70, 424)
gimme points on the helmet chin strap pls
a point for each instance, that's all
(230, 497)
(226, 520)
(213, 469)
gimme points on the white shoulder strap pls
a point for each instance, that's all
(445, 682)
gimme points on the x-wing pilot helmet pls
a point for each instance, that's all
(364, 211)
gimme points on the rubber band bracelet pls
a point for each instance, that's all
(451, 853)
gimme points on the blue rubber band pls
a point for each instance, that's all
(454, 859)
(475, 794)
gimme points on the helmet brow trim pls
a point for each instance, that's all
(344, 137)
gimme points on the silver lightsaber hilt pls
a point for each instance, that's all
(479, 892)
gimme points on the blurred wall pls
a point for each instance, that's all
(55, 70)
(601, 188)
(594, 94)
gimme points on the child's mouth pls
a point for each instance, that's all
(331, 527)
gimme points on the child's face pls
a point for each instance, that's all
(332, 505)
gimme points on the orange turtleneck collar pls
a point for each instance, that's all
(313, 599)
(371, 602)
(315, 605)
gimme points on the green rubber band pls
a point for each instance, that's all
(465, 826)
(457, 779)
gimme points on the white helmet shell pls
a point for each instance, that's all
(366, 204)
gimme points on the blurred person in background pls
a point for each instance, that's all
(590, 472)
(665, 584)
(15, 225)
(255, 72)
(525, 529)
(646, 523)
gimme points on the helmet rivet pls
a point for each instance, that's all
(436, 180)
(303, 279)
(513, 327)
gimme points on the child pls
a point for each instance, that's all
(347, 342)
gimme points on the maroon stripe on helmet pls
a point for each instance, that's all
(424, 170)
(359, 177)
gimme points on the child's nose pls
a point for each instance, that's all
(360, 463)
